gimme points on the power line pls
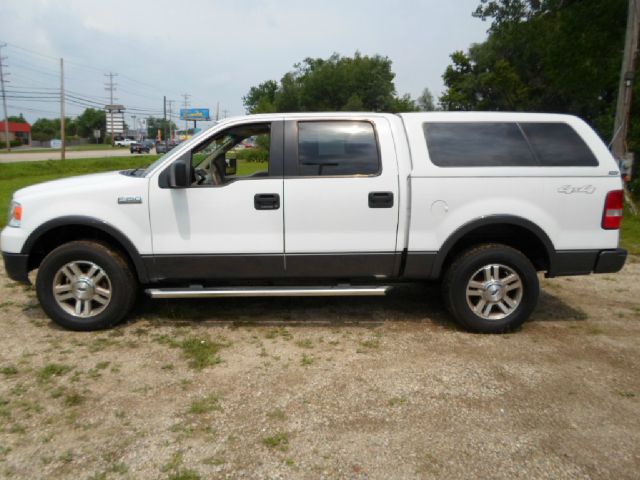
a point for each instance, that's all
(41, 92)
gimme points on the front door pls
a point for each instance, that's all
(341, 198)
(229, 222)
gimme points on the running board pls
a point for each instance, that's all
(201, 292)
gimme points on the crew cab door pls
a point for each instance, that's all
(341, 198)
(224, 224)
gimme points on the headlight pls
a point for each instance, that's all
(15, 214)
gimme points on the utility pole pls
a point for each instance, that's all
(170, 102)
(217, 111)
(62, 132)
(185, 104)
(164, 123)
(110, 86)
(4, 100)
(224, 113)
(135, 130)
(625, 88)
(618, 144)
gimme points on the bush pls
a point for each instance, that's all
(15, 143)
(41, 136)
(634, 188)
(253, 155)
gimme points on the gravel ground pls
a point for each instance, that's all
(358, 388)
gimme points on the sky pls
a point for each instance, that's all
(213, 50)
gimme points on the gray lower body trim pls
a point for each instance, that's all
(584, 262)
(267, 267)
(572, 262)
(419, 265)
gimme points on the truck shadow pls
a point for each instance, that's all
(413, 303)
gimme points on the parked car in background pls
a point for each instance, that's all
(144, 146)
(123, 142)
(162, 147)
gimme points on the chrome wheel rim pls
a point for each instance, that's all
(494, 291)
(82, 289)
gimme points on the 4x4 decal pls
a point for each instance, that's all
(568, 189)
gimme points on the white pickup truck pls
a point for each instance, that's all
(330, 204)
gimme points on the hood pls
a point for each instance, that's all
(78, 185)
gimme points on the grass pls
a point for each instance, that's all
(72, 148)
(9, 370)
(207, 404)
(177, 471)
(184, 474)
(306, 343)
(200, 352)
(277, 415)
(279, 441)
(52, 370)
(14, 176)
(73, 399)
(630, 233)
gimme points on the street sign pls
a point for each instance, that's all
(197, 114)
(96, 133)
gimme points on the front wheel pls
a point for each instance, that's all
(491, 288)
(85, 285)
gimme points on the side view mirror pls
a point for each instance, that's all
(230, 166)
(179, 175)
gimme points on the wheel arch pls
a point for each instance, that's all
(511, 230)
(61, 230)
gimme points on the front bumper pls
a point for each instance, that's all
(17, 266)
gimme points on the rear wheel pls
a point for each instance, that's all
(85, 285)
(491, 288)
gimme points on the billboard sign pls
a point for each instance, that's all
(197, 114)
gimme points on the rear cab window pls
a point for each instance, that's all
(506, 144)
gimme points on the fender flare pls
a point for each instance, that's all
(489, 220)
(76, 220)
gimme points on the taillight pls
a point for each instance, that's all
(613, 207)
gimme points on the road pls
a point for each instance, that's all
(55, 155)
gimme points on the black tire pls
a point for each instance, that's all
(470, 265)
(118, 279)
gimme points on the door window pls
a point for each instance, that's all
(337, 148)
(237, 153)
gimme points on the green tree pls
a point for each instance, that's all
(543, 55)
(425, 101)
(154, 124)
(357, 83)
(17, 119)
(91, 119)
(44, 129)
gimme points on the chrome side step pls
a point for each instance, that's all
(336, 291)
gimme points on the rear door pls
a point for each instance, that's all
(341, 198)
